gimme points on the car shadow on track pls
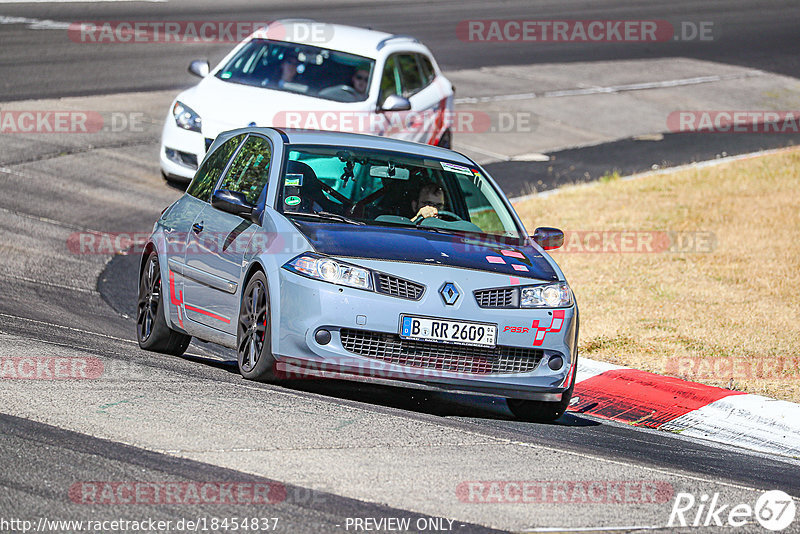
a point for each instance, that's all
(440, 404)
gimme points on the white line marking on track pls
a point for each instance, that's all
(595, 529)
(51, 284)
(611, 89)
(75, 1)
(51, 221)
(73, 329)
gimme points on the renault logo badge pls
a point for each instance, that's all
(449, 293)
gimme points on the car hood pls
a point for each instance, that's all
(427, 247)
(226, 106)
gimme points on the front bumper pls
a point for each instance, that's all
(306, 306)
(181, 151)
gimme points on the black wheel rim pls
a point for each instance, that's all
(252, 326)
(149, 300)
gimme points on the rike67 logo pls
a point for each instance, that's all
(774, 510)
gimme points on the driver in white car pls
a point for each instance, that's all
(359, 80)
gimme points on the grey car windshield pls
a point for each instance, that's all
(382, 188)
(303, 69)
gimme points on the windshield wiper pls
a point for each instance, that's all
(326, 215)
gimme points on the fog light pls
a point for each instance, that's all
(322, 336)
(555, 363)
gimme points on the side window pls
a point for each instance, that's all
(206, 177)
(410, 73)
(249, 172)
(390, 81)
(428, 72)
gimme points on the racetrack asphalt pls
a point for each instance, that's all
(372, 451)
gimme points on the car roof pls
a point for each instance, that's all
(359, 41)
(354, 140)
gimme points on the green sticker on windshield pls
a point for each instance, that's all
(293, 180)
(292, 201)
(226, 75)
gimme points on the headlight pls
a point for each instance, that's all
(330, 270)
(186, 118)
(549, 296)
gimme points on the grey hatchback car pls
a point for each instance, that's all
(334, 255)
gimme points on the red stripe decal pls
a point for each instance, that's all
(438, 122)
(206, 312)
(642, 399)
(176, 300)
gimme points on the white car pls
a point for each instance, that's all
(311, 75)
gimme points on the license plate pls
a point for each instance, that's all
(462, 332)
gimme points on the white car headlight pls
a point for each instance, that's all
(330, 270)
(186, 117)
(546, 296)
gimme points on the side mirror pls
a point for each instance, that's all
(548, 238)
(235, 203)
(199, 67)
(396, 103)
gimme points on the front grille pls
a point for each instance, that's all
(504, 297)
(441, 356)
(399, 287)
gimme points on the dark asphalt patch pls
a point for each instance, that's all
(118, 284)
(627, 156)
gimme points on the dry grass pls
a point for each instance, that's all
(730, 317)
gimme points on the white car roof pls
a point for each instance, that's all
(350, 39)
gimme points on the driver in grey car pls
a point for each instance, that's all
(429, 202)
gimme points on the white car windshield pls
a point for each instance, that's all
(382, 188)
(303, 69)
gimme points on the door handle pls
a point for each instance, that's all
(197, 227)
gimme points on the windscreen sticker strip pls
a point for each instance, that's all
(295, 180)
(452, 167)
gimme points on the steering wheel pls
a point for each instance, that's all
(448, 216)
(442, 214)
(336, 90)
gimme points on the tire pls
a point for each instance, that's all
(152, 331)
(446, 140)
(542, 411)
(253, 332)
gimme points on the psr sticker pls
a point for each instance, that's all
(292, 201)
